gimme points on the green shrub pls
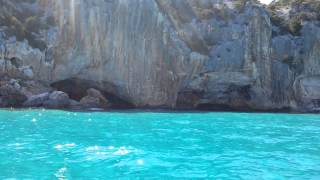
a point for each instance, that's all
(302, 10)
(17, 27)
(32, 24)
(295, 26)
(23, 23)
(240, 4)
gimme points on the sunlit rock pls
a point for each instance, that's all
(164, 53)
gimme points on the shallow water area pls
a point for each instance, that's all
(50, 144)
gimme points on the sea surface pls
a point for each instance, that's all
(43, 144)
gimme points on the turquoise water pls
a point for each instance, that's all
(38, 144)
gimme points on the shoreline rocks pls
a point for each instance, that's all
(61, 100)
(52, 100)
(94, 99)
(11, 95)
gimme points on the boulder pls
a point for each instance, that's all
(15, 84)
(26, 72)
(57, 100)
(54, 100)
(94, 99)
(37, 100)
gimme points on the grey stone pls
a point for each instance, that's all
(37, 100)
(27, 72)
(11, 97)
(55, 100)
(308, 92)
(94, 99)
(169, 53)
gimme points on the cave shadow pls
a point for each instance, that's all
(77, 89)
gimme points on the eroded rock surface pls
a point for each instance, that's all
(11, 95)
(94, 99)
(212, 54)
(308, 92)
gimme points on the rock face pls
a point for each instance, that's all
(212, 54)
(308, 92)
(11, 95)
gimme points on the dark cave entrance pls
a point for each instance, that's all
(77, 89)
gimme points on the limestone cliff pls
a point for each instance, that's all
(198, 54)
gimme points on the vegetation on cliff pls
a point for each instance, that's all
(19, 19)
(164, 53)
(289, 15)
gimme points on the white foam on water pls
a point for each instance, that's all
(122, 151)
(64, 146)
(61, 173)
(93, 148)
(34, 120)
(99, 153)
(17, 145)
(70, 145)
(140, 162)
(63, 170)
(59, 146)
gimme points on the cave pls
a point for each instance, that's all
(77, 89)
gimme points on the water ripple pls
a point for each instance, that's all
(37, 144)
